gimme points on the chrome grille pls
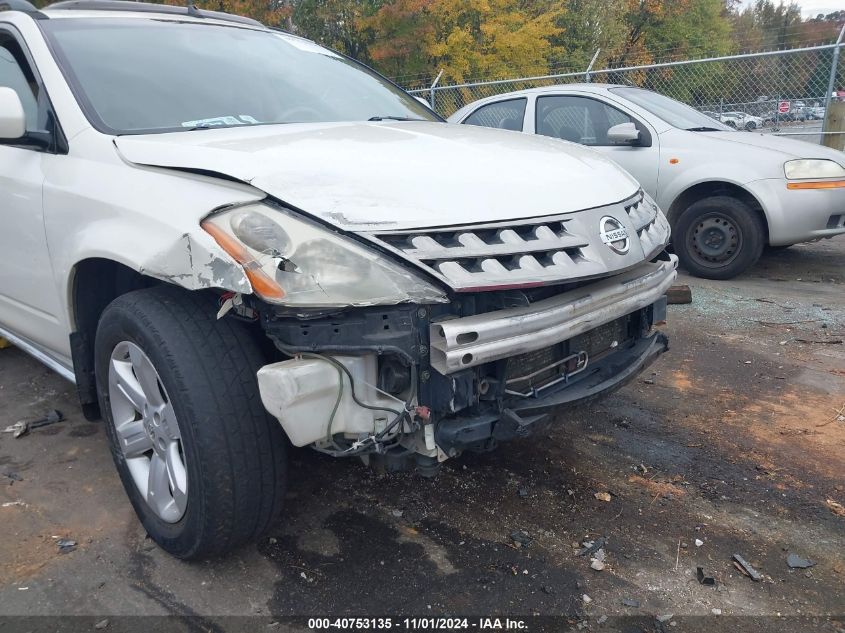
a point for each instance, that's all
(501, 252)
(651, 226)
(529, 251)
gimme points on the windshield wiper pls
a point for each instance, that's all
(703, 128)
(393, 118)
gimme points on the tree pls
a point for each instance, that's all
(586, 26)
(660, 29)
(337, 24)
(398, 31)
(490, 38)
(769, 25)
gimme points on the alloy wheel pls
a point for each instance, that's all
(148, 431)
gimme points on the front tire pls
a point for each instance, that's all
(719, 237)
(203, 464)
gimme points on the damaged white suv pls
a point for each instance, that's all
(206, 220)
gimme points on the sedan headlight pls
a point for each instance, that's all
(292, 261)
(813, 168)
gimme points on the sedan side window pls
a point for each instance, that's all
(15, 73)
(505, 115)
(577, 119)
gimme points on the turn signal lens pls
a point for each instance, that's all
(262, 284)
(818, 184)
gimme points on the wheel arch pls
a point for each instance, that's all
(707, 189)
(93, 284)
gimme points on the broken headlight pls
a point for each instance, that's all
(292, 261)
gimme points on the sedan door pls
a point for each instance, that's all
(586, 119)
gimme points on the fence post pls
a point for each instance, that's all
(590, 67)
(835, 128)
(432, 92)
(831, 86)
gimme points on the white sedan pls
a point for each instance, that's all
(740, 120)
(727, 194)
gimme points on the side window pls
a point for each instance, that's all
(15, 73)
(577, 119)
(505, 115)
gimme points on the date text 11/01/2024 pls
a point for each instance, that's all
(418, 624)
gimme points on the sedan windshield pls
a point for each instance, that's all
(675, 113)
(147, 75)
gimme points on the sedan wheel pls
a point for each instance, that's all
(714, 241)
(719, 237)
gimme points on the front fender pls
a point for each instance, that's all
(673, 188)
(192, 260)
(147, 219)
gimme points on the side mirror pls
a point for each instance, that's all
(422, 101)
(12, 117)
(623, 134)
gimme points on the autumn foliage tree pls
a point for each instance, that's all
(485, 39)
(398, 32)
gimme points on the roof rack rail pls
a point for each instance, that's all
(142, 7)
(21, 5)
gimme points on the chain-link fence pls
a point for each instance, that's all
(786, 92)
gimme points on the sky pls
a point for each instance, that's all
(811, 8)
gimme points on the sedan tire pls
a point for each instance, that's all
(719, 237)
(201, 461)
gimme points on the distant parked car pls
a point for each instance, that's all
(740, 120)
(813, 113)
(771, 117)
(727, 194)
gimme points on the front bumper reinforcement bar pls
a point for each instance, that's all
(460, 343)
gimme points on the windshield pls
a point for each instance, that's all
(148, 75)
(675, 113)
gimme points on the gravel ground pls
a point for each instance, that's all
(730, 444)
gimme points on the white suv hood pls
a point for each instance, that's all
(396, 175)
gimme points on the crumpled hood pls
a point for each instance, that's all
(395, 175)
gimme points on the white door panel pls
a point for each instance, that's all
(586, 118)
(642, 163)
(29, 305)
(28, 302)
